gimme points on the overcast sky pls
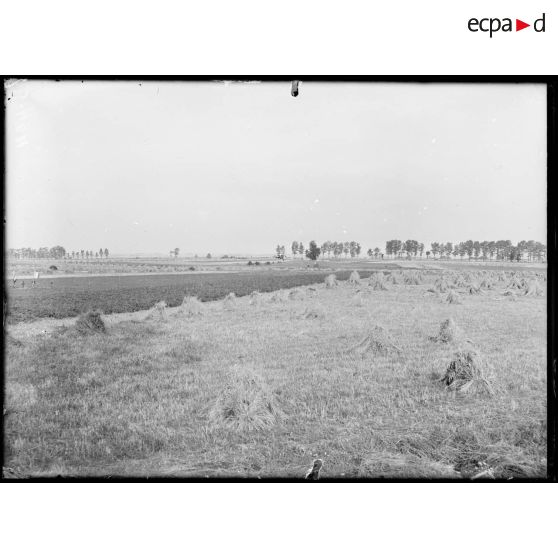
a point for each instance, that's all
(240, 168)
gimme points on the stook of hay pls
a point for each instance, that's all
(449, 332)
(516, 283)
(533, 288)
(510, 295)
(229, 302)
(468, 371)
(453, 298)
(378, 342)
(192, 306)
(245, 404)
(412, 278)
(354, 278)
(158, 312)
(487, 284)
(394, 278)
(331, 281)
(441, 285)
(377, 282)
(255, 298)
(90, 323)
(474, 289)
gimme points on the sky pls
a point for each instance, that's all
(237, 168)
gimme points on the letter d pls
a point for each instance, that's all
(535, 25)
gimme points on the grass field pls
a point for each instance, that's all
(261, 386)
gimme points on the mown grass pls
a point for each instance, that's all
(139, 399)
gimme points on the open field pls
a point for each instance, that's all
(66, 296)
(60, 296)
(262, 385)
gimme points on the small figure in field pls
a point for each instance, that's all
(35, 277)
(22, 284)
(314, 472)
(14, 279)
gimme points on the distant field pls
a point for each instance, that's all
(60, 297)
(66, 296)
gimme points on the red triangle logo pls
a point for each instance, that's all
(519, 25)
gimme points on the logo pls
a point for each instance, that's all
(493, 25)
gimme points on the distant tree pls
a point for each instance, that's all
(57, 252)
(280, 251)
(427, 254)
(476, 248)
(435, 248)
(106, 253)
(176, 252)
(294, 248)
(101, 252)
(346, 248)
(352, 248)
(376, 252)
(421, 249)
(370, 252)
(468, 246)
(301, 249)
(447, 248)
(82, 254)
(97, 255)
(358, 249)
(208, 256)
(313, 252)
(337, 249)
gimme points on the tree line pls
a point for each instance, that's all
(525, 250)
(57, 253)
(328, 248)
(529, 250)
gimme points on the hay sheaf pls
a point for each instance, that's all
(377, 281)
(533, 288)
(412, 278)
(467, 372)
(441, 285)
(382, 464)
(158, 312)
(474, 289)
(255, 298)
(90, 323)
(230, 301)
(516, 283)
(377, 342)
(449, 332)
(453, 298)
(354, 278)
(245, 404)
(192, 306)
(331, 281)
